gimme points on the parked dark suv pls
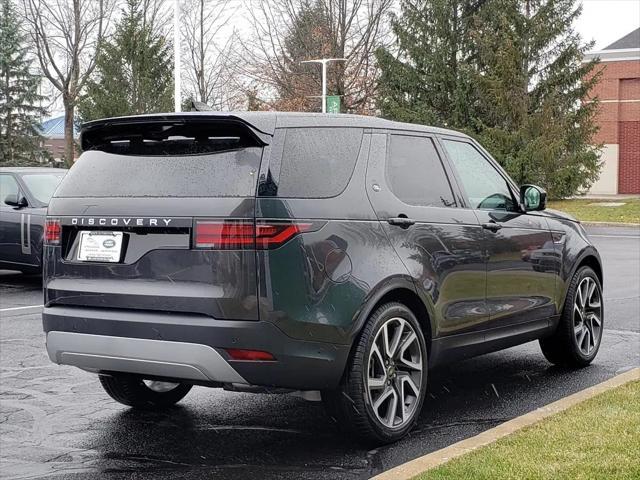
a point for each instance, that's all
(329, 256)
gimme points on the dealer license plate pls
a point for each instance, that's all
(100, 246)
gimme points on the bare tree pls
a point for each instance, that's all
(67, 35)
(210, 63)
(284, 32)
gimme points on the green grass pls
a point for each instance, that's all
(582, 210)
(597, 439)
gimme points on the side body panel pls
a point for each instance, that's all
(315, 286)
(442, 252)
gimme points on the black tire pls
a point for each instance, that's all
(561, 348)
(350, 405)
(132, 391)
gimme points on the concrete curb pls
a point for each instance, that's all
(610, 224)
(419, 465)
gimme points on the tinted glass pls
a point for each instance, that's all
(485, 187)
(318, 162)
(8, 186)
(42, 185)
(225, 174)
(415, 173)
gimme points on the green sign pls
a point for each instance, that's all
(333, 104)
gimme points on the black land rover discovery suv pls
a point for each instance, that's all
(336, 257)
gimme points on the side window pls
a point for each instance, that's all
(415, 173)
(485, 187)
(318, 162)
(8, 186)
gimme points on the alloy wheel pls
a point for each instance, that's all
(587, 316)
(395, 373)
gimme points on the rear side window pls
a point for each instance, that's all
(415, 173)
(229, 173)
(317, 162)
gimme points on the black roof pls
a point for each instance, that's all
(267, 122)
(631, 40)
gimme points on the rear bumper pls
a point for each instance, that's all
(157, 358)
(188, 347)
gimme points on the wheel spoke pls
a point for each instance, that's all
(581, 335)
(377, 383)
(397, 336)
(383, 397)
(579, 298)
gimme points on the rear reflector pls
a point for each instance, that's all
(52, 232)
(239, 234)
(252, 355)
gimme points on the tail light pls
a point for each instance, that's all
(238, 234)
(52, 231)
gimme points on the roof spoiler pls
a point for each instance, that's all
(142, 131)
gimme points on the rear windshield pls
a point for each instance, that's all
(230, 173)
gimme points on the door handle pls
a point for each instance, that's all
(403, 222)
(494, 227)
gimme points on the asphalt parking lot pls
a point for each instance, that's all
(56, 421)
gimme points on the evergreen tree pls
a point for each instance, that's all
(427, 78)
(20, 141)
(533, 82)
(133, 71)
(508, 72)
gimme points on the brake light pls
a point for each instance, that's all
(251, 355)
(52, 232)
(238, 234)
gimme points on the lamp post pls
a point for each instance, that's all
(324, 62)
(176, 55)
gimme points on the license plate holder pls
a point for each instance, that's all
(100, 246)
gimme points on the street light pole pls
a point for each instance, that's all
(176, 55)
(324, 62)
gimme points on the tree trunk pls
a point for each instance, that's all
(69, 110)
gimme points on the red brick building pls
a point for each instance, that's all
(619, 115)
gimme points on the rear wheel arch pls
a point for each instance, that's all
(400, 291)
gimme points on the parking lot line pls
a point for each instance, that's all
(19, 308)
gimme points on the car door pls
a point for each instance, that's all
(518, 291)
(439, 243)
(11, 231)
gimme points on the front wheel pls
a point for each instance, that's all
(383, 389)
(577, 339)
(144, 394)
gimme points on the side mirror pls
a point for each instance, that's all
(532, 198)
(14, 200)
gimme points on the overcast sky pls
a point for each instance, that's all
(605, 21)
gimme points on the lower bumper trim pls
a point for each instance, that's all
(160, 358)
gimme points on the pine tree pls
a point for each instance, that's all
(427, 78)
(533, 82)
(20, 141)
(508, 72)
(133, 71)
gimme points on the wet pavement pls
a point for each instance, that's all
(56, 422)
